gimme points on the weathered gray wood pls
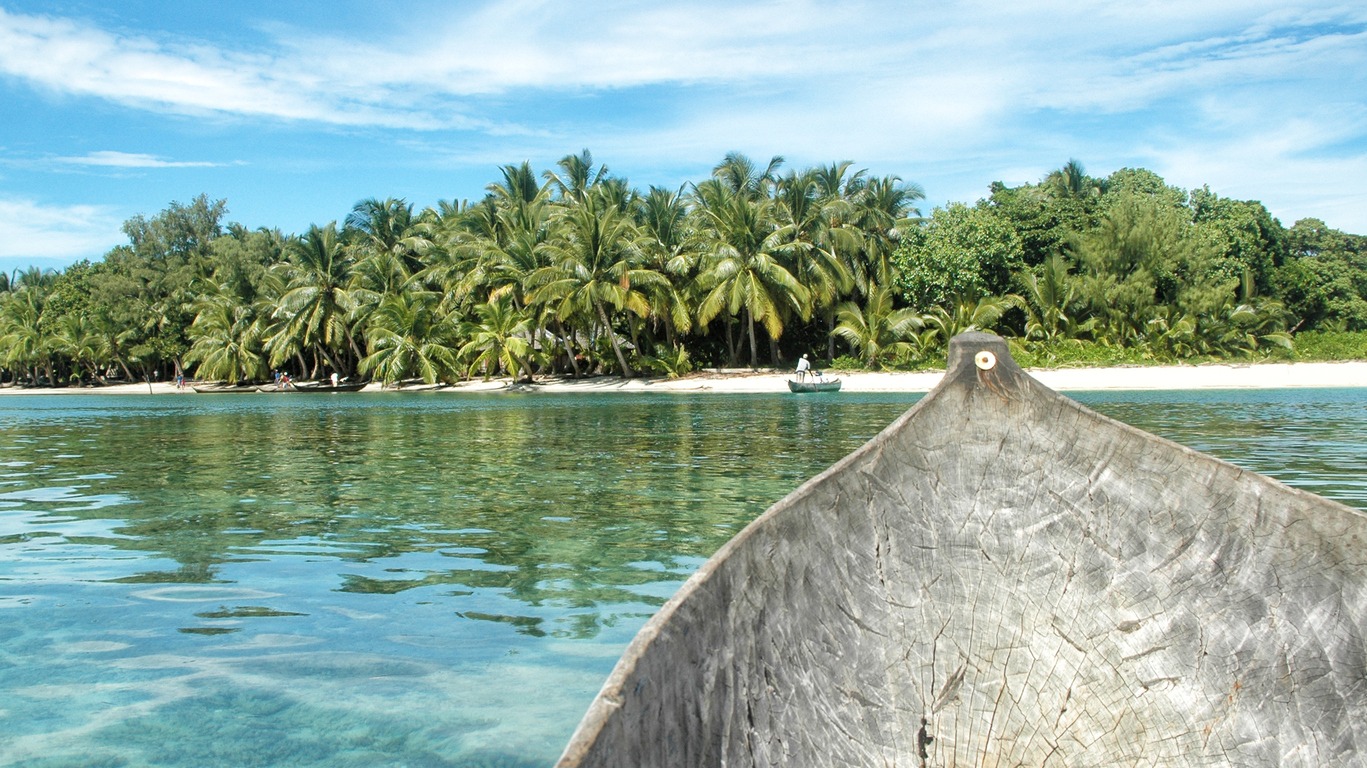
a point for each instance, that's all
(1005, 578)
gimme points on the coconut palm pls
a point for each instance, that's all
(883, 208)
(375, 227)
(409, 335)
(511, 249)
(662, 217)
(226, 340)
(576, 177)
(24, 343)
(498, 339)
(743, 270)
(875, 330)
(317, 301)
(805, 218)
(742, 176)
(967, 315)
(76, 336)
(1050, 301)
(596, 265)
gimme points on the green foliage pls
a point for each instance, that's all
(961, 253)
(1324, 279)
(574, 269)
(847, 363)
(498, 339)
(1077, 353)
(877, 331)
(1331, 345)
(672, 365)
(1242, 234)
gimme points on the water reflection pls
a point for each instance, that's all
(430, 580)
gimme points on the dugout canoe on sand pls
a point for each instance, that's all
(1000, 578)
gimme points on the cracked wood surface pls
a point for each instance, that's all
(1005, 578)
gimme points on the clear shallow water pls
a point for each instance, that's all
(421, 580)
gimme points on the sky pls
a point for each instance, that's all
(292, 112)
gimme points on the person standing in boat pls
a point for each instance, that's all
(803, 366)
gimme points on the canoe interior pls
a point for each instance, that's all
(1006, 578)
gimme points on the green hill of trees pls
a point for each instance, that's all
(574, 271)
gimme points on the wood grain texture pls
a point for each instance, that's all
(1006, 578)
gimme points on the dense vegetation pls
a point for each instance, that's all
(574, 271)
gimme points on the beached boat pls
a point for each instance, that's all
(1004, 577)
(314, 386)
(223, 388)
(814, 385)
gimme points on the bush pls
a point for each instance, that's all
(1075, 353)
(847, 363)
(1330, 346)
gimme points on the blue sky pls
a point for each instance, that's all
(294, 111)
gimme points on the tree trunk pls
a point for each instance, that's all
(616, 345)
(569, 350)
(830, 336)
(754, 347)
(732, 347)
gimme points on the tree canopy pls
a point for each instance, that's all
(574, 271)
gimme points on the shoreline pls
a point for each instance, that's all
(745, 381)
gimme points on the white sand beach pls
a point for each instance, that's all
(744, 381)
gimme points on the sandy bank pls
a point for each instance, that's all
(1245, 376)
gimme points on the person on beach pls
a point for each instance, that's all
(803, 365)
(334, 379)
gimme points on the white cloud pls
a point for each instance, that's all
(982, 84)
(113, 159)
(63, 234)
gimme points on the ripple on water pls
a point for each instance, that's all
(201, 594)
(93, 646)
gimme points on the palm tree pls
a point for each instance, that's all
(804, 218)
(742, 176)
(1049, 299)
(317, 301)
(498, 339)
(410, 335)
(226, 340)
(23, 341)
(883, 208)
(376, 227)
(742, 272)
(1072, 181)
(876, 330)
(510, 249)
(980, 315)
(577, 177)
(662, 217)
(77, 337)
(596, 264)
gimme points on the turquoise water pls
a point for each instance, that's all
(420, 580)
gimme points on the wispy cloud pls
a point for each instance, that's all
(960, 64)
(112, 159)
(37, 232)
(982, 85)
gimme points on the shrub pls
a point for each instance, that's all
(1330, 345)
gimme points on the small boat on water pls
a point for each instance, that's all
(1004, 577)
(814, 385)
